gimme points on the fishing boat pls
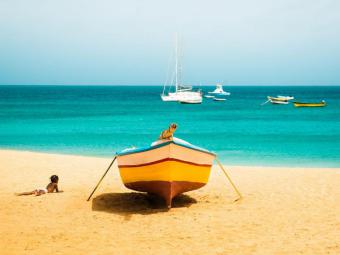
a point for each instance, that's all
(319, 104)
(219, 90)
(167, 168)
(277, 100)
(182, 92)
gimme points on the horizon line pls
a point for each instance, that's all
(202, 85)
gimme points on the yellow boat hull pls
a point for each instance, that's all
(166, 170)
(321, 104)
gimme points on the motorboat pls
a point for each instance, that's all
(219, 90)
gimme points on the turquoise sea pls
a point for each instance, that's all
(100, 120)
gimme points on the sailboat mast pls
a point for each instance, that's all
(176, 64)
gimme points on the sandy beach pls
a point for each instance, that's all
(284, 211)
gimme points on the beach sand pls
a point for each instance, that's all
(284, 211)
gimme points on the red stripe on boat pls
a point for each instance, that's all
(163, 160)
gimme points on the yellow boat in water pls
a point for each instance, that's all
(320, 104)
(167, 168)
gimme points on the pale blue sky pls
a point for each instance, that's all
(262, 42)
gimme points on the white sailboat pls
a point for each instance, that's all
(182, 94)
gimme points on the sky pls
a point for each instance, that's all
(129, 42)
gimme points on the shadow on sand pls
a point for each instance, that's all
(137, 203)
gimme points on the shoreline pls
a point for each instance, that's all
(222, 160)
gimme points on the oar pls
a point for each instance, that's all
(102, 177)
(229, 179)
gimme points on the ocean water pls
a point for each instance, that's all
(100, 120)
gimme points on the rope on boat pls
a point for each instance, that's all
(107, 170)
(265, 102)
(229, 179)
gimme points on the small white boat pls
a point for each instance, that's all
(219, 99)
(219, 90)
(277, 100)
(209, 96)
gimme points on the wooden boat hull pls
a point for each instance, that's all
(321, 104)
(165, 189)
(166, 170)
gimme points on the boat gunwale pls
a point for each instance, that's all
(278, 99)
(140, 150)
(307, 104)
(166, 160)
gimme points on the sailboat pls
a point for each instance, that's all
(182, 94)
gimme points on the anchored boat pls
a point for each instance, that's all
(219, 90)
(277, 100)
(167, 168)
(319, 104)
(182, 92)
